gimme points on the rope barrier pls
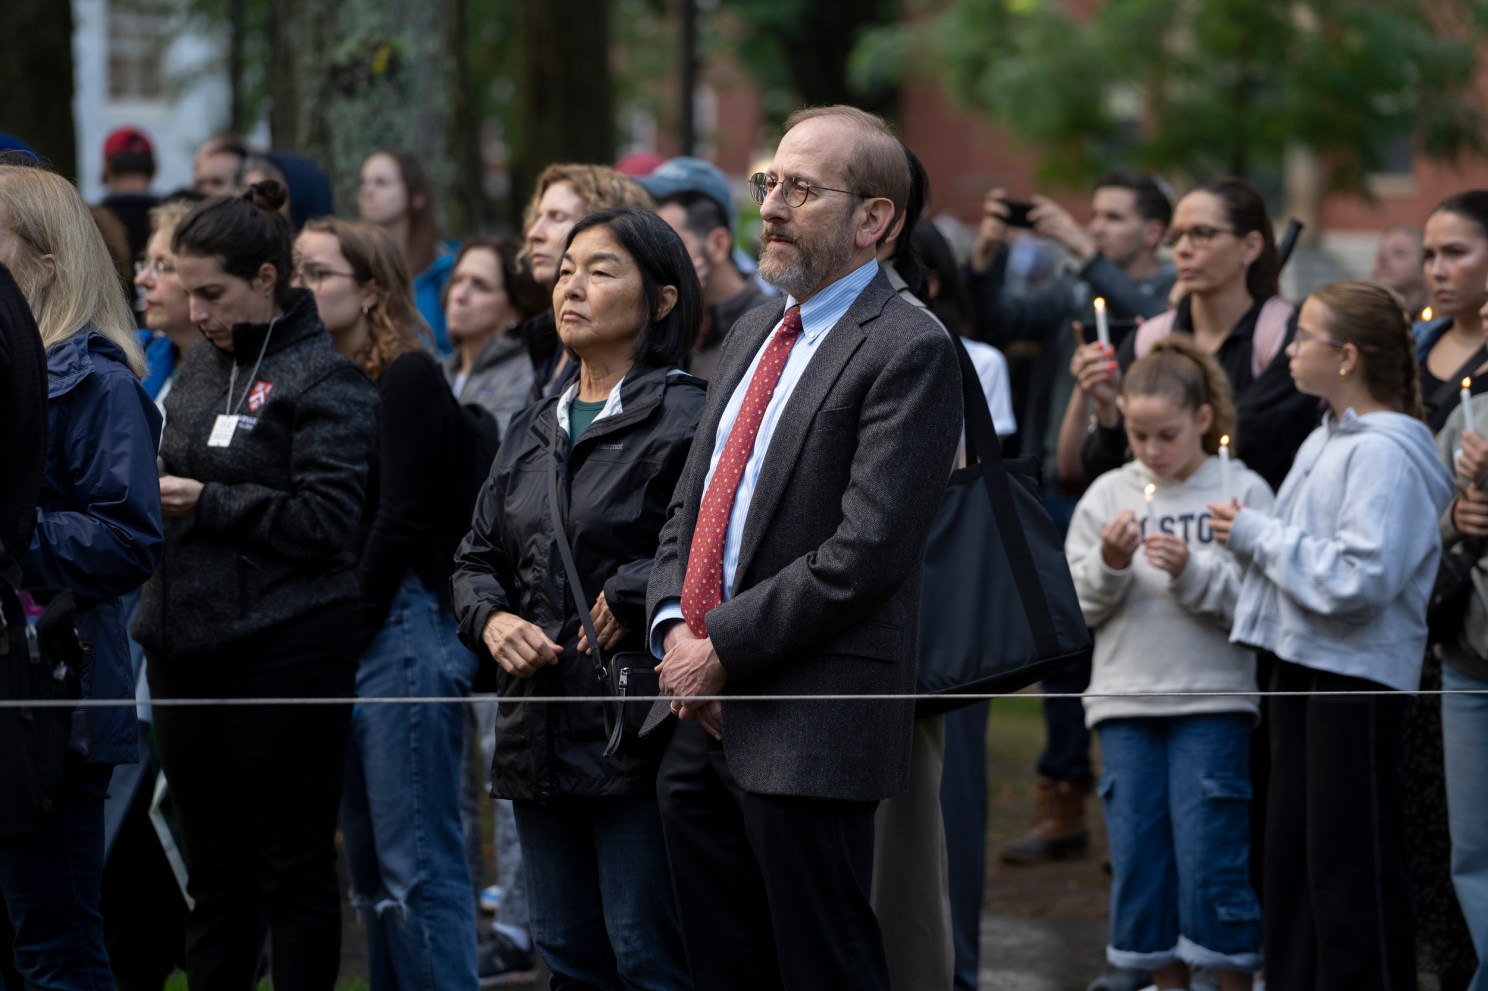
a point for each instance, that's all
(650, 699)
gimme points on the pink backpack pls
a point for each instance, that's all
(1265, 344)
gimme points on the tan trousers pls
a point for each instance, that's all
(910, 895)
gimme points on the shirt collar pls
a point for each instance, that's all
(612, 406)
(830, 304)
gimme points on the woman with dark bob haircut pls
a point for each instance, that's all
(268, 438)
(626, 304)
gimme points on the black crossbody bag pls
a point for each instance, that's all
(629, 676)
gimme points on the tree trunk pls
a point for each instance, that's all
(361, 76)
(563, 89)
(36, 59)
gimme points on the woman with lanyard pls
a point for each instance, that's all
(265, 459)
(1449, 346)
(595, 466)
(1228, 299)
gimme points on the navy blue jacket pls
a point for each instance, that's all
(98, 527)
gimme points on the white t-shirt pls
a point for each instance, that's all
(992, 371)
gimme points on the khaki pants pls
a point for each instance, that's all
(910, 895)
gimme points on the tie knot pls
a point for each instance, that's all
(792, 325)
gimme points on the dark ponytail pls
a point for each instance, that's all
(1246, 211)
(243, 232)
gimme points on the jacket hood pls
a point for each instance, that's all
(640, 392)
(310, 194)
(1411, 435)
(68, 362)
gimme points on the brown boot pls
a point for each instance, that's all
(1058, 828)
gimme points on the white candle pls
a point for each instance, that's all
(1467, 416)
(1224, 468)
(1150, 490)
(1102, 328)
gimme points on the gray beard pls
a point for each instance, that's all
(813, 265)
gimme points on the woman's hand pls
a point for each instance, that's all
(993, 232)
(1167, 552)
(606, 627)
(1120, 540)
(1095, 371)
(1222, 521)
(1473, 464)
(1470, 512)
(521, 648)
(178, 496)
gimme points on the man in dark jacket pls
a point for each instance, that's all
(790, 566)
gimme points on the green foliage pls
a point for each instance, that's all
(1210, 86)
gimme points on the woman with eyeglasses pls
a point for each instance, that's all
(269, 435)
(400, 814)
(1228, 298)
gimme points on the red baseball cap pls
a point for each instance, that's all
(127, 141)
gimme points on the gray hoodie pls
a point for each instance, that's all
(1338, 575)
(499, 381)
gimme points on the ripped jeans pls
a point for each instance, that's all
(1177, 798)
(400, 815)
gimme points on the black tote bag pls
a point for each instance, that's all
(998, 610)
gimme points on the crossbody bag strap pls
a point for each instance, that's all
(575, 587)
(982, 445)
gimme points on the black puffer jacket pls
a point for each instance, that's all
(271, 538)
(617, 484)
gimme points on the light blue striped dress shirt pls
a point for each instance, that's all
(819, 315)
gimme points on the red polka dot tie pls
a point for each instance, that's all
(702, 589)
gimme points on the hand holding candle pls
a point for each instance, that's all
(1102, 325)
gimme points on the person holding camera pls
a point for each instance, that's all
(1116, 258)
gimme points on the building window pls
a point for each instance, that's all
(138, 34)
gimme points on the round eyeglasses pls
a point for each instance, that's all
(793, 189)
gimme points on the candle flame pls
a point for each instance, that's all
(1150, 490)
(1100, 302)
(1426, 314)
(1224, 441)
(1467, 382)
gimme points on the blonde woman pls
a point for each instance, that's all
(98, 534)
(400, 812)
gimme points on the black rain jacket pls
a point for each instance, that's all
(617, 484)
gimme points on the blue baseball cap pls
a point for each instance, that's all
(18, 150)
(691, 175)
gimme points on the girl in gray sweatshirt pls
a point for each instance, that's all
(1160, 592)
(1336, 582)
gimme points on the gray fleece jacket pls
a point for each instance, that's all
(1337, 576)
(1469, 652)
(500, 380)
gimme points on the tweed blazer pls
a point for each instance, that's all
(826, 594)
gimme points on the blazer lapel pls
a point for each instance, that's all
(790, 432)
(752, 329)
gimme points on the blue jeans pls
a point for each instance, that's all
(400, 813)
(603, 915)
(1177, 797)
(50, 888)
(1465, 738)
